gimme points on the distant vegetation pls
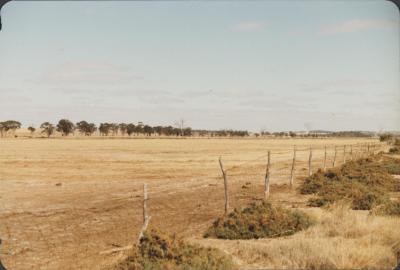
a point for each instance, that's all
(9, 126)
(259, 220)
(66, 127)
(157, 251)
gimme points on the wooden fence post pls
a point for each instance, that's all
(267, 172)
(293, 167)
(146, 217)
(334, 157)
(344, 154)
(309, 162)
(225, 186)
(351, 152)
(325, 160)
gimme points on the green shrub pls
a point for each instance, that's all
(259, 220)
(396, 142)
(158, 252)
(392, 165)
(390, 208)
(364, 182)
(386, 137)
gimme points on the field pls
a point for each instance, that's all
(64, 201)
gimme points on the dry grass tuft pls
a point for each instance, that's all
(259, 220)
(158, 252)
(390, 208)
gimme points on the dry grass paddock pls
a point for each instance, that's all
(63, 201)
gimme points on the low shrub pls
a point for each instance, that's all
(392, 165)
(390, 208)
(259, 220)
(364, 183)
(394, 150)
(158, 252)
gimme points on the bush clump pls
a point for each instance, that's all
(259, 220)
(392, 165)
(157, 251)
(390, 208)
(364, 182)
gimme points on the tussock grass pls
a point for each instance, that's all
(365, 183)
(259, 220)
(340, 239)
(394, 150)
(392, 165)
(157, 251)
(390, 208)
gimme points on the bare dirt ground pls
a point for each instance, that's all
(63, 201)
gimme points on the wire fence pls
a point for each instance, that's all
(114, 222)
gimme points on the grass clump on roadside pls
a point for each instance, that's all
(392, 165)
(259, 220)
(364, 183)
(157, 251)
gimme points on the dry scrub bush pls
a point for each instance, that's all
(390, 208)
(341, 239)
(364, 182)
(161, 252)
(259, 220)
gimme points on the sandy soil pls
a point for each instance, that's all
(63, 201)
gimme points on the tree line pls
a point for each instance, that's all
(84, 128)
(67, 127)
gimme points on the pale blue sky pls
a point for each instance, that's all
(274, 65)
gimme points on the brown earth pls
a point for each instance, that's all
(63, 201)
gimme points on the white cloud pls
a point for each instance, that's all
(355, 26)
(250, 26)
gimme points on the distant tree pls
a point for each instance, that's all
(169, 130)
(65, 126)
(139, 129)
(91, 129)
(130, 129)
(86, 128)
(9, 125)
(187, 132)
(104, 129)
(180, 125)
(292, 134)
(123, 128)
(158, 130)
(148, 130)
(48, 128)
(386, 137)
(31, 129)
(114, 129)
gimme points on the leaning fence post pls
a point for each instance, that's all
(334, 157)
(146, 217)
(309, 162)
(267, 172)
(325, 160)
(225, 186)
(293, 167)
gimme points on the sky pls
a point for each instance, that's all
(255, 65)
